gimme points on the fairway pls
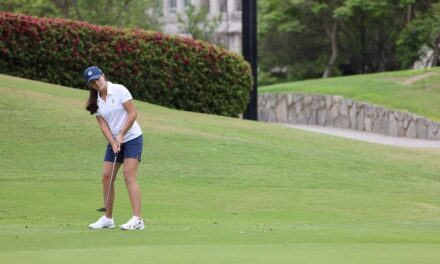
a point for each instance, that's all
(214, 190)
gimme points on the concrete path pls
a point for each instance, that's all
(370, 137)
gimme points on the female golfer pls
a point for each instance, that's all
(113, 106)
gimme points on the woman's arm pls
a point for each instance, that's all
(131, 117)
(105, 129)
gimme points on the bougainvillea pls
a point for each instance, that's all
(167, 70)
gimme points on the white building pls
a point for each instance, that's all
(229, 30)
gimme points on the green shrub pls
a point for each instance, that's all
(170, 71)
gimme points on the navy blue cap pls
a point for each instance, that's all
(92, 73)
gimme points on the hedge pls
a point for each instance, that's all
(167, 70)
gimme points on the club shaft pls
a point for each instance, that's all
(110, 183)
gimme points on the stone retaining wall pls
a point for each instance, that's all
(336, 111)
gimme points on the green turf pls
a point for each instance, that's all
(215, 190)
(396, 90)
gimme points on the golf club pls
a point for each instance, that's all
(104, 209)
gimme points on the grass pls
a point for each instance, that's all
(215, 190)
(396, 90)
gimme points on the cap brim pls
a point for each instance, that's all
(93, 77)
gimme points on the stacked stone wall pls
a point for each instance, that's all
(336, 111)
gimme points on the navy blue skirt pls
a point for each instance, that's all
(130, 149)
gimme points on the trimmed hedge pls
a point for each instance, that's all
(170, 71)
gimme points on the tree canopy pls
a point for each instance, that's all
(302, 39)
(127, 13)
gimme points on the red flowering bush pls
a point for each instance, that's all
(171, 71)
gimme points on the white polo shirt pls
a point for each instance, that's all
(114, 112)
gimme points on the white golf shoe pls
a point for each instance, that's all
(103, 222)
(133, 223)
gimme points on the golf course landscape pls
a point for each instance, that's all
(414, 91)
(214, 189)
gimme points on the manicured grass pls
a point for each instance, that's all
(215, 190)
(396, 90)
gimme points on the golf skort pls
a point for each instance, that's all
(130, 149)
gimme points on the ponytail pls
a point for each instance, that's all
(92, 103)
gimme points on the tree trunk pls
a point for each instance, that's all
(332, 33)
(435, 55)
(64, 6)
(121, 11)
(108, 6)
(78, 13)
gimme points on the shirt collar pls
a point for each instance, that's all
(109, 87)
(109, 90)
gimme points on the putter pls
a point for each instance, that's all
(104, 209)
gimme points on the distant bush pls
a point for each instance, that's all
(170, 71)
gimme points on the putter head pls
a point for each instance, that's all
(103, 209)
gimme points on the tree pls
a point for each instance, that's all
(197, 24)
(299, 18)
(305, 18)
(288, 49)
(64, 6)
(127, 13)
(343, 36)
(35, 8)
(421, 35)
(331, 15)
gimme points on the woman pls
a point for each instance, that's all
(113, 106)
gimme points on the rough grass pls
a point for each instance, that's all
(215, 190)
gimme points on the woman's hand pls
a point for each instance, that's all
(120, 139)
(116, 144)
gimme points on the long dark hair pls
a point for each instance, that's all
(92, 103)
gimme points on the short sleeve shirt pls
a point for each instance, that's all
(114, 113)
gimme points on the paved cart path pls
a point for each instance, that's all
(369, 137)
